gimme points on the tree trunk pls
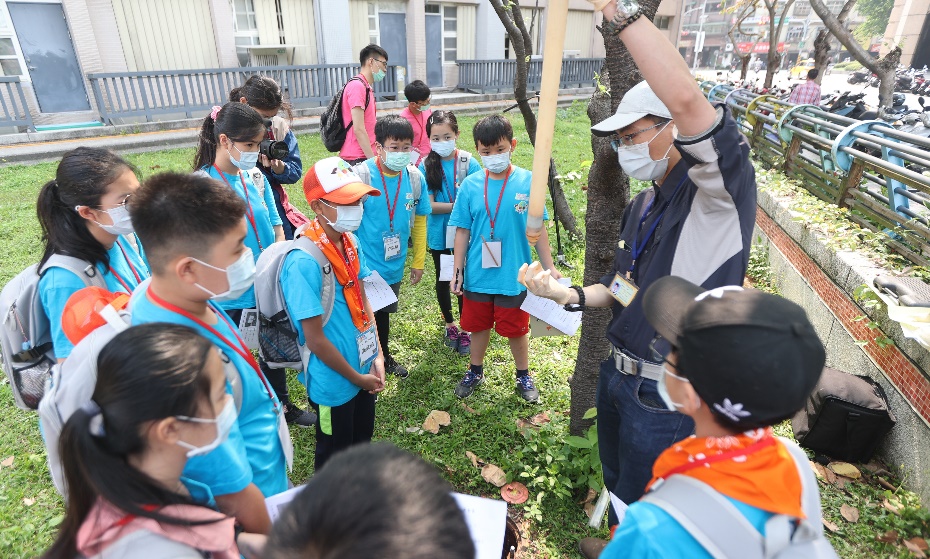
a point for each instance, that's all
(884, 67)
(823, 43)
(520, 42)
(608, 195)
(773, 60)
(744, 68)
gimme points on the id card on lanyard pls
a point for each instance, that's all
(390, 238)
(451, 229)
(249, 212)
(492, 249)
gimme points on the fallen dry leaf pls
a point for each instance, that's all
(435, 419)
(7, 462)
(829, 525)
(493, 475)
(540, 419)
(893, 507)
(841, 482)
(29, 501)
(589, 498)
(474, 459)
(850, 513)
(442, 417)
(873, 466)
(524, 426)
(817, 469)
(920, 543)
(886, 484)
(469, 409)
(915, 551)
(888, 537)
(845, 469)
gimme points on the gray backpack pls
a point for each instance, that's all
(277, 333)
(726, 534)
(26, 347)
(71, 385)
(362, 171)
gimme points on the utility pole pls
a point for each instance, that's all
(699, 39)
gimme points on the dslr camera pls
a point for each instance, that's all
(273, 149)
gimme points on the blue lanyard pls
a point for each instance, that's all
(638, 248)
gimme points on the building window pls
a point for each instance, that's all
(10, 61)
(662, 22)
(450, 39)
(374, 31)
(433, 9)
(246, 28)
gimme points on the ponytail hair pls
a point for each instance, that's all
(433, 163)
(263, 93)
(240, 122)
(146, 373)
(82, 179)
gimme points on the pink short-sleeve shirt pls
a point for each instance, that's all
(354, 96)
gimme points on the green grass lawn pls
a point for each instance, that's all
(30, 509)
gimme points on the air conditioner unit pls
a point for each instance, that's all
(271, 55)
(571, 54)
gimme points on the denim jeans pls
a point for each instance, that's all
(633, 428)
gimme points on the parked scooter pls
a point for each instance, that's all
(859, 76)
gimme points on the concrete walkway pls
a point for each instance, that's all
(38, 147)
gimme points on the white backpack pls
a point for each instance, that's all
(71, 385)
(277, 333)
(415, 184)
(26, 347)
(725, 533)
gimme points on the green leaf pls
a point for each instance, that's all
(590, 414)
(578, 442)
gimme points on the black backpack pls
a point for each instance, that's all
(845, 418)
(332, 129)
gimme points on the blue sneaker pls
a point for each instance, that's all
(468, 384)
(527, 389)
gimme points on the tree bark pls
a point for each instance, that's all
(884, 67)
(743, 11)
(515, 25)
(773, 60)
(823, 43)
(608, 194)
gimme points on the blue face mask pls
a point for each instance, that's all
(444, 149)
(247, 159)
(396, 160)
(497, 163)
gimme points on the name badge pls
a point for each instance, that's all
(391, 246)
(491, 253)
(248, 328)
(623, 290)
(450, 236)
(284, 435)
(367, 347)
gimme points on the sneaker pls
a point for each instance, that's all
(296, 416)
(452, 336)
(464, 343)
(468, 385)
(392, 367)
(527, 389)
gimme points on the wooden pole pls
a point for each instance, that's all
(556, 18)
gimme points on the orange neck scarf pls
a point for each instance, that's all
(346, 269)
(752, 467)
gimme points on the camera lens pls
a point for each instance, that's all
(274, 149)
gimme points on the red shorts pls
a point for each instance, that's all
(482, 311)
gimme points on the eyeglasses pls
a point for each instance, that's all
(627, 139)
(422, 103)
(381, 61)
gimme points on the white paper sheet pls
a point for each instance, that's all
(619, 507)
(277, 503)
(552, 313)
(487, 520)
(378, 291)
(446, 267)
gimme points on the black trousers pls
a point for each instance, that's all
(277, 378)
(443, 291)
(342, 426)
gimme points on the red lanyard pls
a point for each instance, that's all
(391, 209)
(248, 204)
(455, 183)
(131, 267)
(493, 219)
(735, 453)
(239, 348)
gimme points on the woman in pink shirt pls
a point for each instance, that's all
(417, 112)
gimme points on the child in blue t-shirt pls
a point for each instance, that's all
(228, 152)
(83, 214)
(344, 369)
(490, 246)
(197, 256)
(445, 168)
(388, 226)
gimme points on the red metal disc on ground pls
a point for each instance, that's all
(515, 493)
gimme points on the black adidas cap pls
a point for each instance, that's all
(753, 357)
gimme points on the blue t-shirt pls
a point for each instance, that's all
(126, 271)
(436, 223)
(376, 221)
(648, 532)
(302, 286)
(265, 221)
(470, 212)
(255, 452)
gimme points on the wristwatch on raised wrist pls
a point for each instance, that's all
(625, 10)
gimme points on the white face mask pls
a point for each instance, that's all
(247, 159)
(443, 149)
(122, 223)
(637, 163)
(240, 275)
(497, 163)
(663, 390)
(224, 422)
(348, 218)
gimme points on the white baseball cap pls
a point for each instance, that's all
(638, 102)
